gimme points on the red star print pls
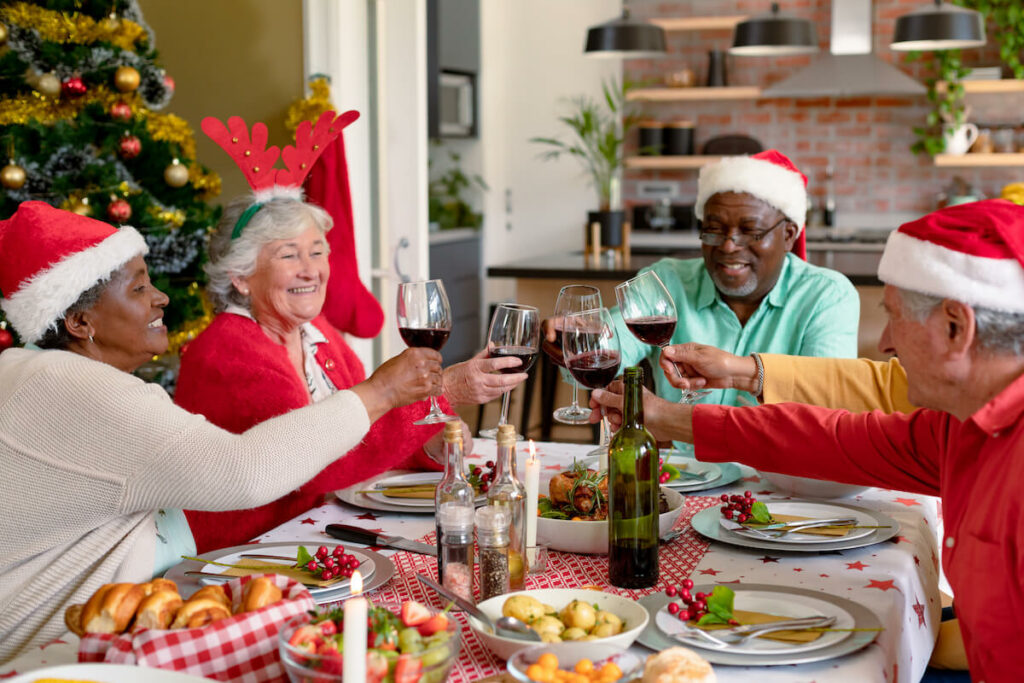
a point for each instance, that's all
(768, 558)
(712, 572)
(367, 516)
(919, 609)
(53, 642)
(309, 520)
(902, 539)
(553, 467)
(797, 569)
(736, 581)
(824, 576)
(10, 674)
(882, 585)
(765, 493)
(907, 501)
(751, 479)
(917, 560)
(858, 565)
(473, 456)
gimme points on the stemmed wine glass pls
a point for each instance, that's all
(573, 299)
(425, 319)
(592, 356)
(515, 331)
(650, 314)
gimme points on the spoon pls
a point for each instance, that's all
(507, 627)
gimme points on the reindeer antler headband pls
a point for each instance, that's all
(256, 160)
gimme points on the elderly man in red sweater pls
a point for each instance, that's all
(955, 298)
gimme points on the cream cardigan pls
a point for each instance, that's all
(89, 452)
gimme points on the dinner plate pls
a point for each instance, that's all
(366, 567)
(706, 524)
(107, 673)
(378, 501)
(714, 474)
(774, 603)
(383, 569)
(863, 618)
(806, 509)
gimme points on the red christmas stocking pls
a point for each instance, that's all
(350, 307)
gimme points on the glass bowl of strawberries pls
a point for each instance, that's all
(407, 643)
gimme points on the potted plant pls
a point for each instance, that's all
(448, 208)
(598, 133)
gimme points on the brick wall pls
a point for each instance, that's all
(867, 138)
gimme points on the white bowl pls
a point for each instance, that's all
(591, 538)
(633, 615)
(803, 487)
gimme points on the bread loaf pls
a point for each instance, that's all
(158, 610)
(258, 593)
(111, 608)
(196, 613)
(216, 593)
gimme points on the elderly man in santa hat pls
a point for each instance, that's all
(752, 290)
(955, 298)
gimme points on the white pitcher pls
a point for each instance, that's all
(959, 138)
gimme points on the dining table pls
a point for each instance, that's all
(897, 579)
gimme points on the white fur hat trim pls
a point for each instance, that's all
(769, 182)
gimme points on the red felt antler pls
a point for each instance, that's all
(310, 143)
(252, 155)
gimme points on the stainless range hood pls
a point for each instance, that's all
(849, 69)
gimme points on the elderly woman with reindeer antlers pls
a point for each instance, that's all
(270, 350)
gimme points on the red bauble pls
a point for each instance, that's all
(120, 111)
(129, 147)
(119, 211)
(73, 87)
(169, 83)
(6, 339)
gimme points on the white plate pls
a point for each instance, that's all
(806, 509)
(366, 567)
(107, 673)
(378, 501)
(769, 602)
(708, 472)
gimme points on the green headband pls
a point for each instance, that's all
(244, 219)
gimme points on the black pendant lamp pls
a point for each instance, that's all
(625, 37)
(939, 27)
(774, 34)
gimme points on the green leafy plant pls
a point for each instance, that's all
(598, 134)
(447, 205)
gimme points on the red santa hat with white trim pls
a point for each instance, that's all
(972, 253)
(49, 257)
(770, 176)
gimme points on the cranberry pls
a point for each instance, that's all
(701, 605)
(725, 497)
(329, 563)
(742, 518)
(312, 565)
(684, 615)
(673, 608)
(748, 494)
(727, 514)
(484, 486)
(321, 552)
(476, 470)
(701, 596)
(671, 591)
(327, 574)
(688, 584)
(489, 464)
(685, 595)
(338, 551)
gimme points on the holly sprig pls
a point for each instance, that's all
(719, 601)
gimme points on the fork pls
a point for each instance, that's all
(741, 634)
(780, 531)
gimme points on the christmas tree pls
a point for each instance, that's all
(80, 128)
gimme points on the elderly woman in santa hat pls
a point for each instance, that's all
(96, 461)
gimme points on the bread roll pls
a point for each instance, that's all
(196, 613)
(677, 665)
(213, 593)
(111, 608)
(259, 592)
(158, 610)
(159, 584)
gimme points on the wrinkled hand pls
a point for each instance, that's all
(550, 342)
(435, 447)
(665, 420)
(696, 366)
(413, 375)
(477, 381)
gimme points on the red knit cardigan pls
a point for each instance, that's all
(237, 377)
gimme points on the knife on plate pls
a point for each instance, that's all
(354, 534)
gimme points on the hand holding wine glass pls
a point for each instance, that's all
(514, 333)
(592, 353)
(571, 299)
(425, 320)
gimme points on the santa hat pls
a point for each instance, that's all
(770, 176)
(972, 253)
(48, 257)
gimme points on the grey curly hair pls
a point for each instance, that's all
(278, 219)
(997, 331)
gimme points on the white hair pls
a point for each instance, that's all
(278, 219)
(997, 331)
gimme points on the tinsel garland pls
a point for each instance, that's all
(310, 108)
(207, 183)
(171, 128)
(60, 27)
(47, 111)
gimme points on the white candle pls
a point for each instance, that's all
(356, 610)
(532, 491)
(602, 460)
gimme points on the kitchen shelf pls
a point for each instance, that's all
(725, 92)
(698, 23)
(979, 160)
(670, 163)
(1004, 85)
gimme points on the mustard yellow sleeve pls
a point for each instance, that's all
(854, 384)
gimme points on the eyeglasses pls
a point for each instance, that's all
(741, 238)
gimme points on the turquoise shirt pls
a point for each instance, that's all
(811, 311)
(173, 539)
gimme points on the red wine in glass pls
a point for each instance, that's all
(595, 369)
(554, 349)
(526, 354)
(431, 338)
(655, 330)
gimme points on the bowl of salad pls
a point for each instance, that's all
(407, 643)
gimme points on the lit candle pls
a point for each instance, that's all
(356, 609)
(532, 490)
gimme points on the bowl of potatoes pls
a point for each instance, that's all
(563, 615)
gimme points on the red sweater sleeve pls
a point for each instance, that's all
(898, 451)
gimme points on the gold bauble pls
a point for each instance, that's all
(176, 174)
(82, 207)
(126, 78)
(12, 176)
(3, 34)
(49, 85)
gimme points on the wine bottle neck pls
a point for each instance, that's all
(633, 402)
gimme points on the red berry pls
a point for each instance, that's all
(685, 595)
(687, 584)
(733, 622)
(671, 591)
(476, 470)
(701, 596)
(701, 605)
(327, 575)
(484, 486)
(673, 608)
(748, 494)
(727, 514)
(338, 551)
(725, 497)
(322, 552)
(489, 464)
(742, 518)
(312, 565)
(684, 615)
(329, 562)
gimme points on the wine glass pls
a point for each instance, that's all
(515, 331)
(425, 319)
(573, 299)
(592, 356)
(650, 314)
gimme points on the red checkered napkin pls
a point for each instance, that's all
(242, 648)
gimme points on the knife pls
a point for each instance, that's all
(354, 534)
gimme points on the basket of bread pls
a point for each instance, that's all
(224, 632)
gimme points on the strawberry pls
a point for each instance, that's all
(407, 670)
(438, 622)
(327, 627)
(306, 638)
(376, 667)
(331, 660)
(413, 613)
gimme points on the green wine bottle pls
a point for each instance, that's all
(633, 494)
